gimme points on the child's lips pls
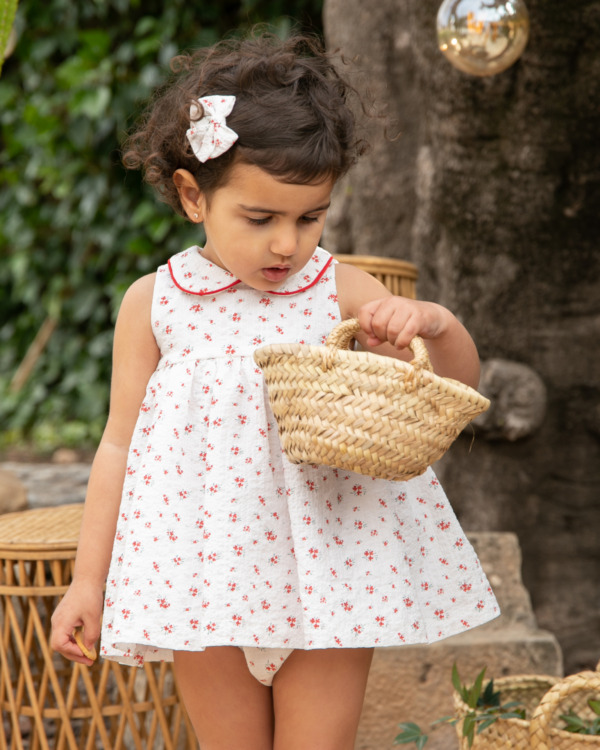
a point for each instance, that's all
(276, 273)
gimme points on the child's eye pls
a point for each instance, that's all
(309, 219)
(258, 222)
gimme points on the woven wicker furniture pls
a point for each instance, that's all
(50, 703)
(399, 276)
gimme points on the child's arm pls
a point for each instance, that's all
(135, 356)
(389, 323)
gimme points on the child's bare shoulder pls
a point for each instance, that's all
(135, 311)
(138, 297)
(355, 288)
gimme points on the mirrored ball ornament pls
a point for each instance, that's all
(482, 37)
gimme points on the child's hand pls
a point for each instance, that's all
(396, 320)
(81, 607)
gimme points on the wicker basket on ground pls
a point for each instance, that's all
(545, 699)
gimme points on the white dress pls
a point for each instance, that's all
(222, 541)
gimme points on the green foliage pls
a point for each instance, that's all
(75, 228)
(8, 8)
(486, 708)
(577, 725)
(485, 705)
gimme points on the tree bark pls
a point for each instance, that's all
(493, 190)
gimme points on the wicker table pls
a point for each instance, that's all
(48, 702)
(399, 276)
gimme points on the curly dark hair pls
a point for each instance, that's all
(292, 115)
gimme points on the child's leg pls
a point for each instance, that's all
(318, 697)
(227, 706)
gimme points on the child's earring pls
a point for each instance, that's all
(196, 216)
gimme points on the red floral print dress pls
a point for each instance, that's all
(222, 541)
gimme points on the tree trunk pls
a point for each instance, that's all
(493, 190)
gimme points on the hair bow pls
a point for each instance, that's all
(209, 136)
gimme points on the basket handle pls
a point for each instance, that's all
(540, 721)
(344, 332)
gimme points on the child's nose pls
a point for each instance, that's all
(285, 242)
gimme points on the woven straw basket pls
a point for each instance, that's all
(545, 699)
(363, 412)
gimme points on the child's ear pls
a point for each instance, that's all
(190, 195)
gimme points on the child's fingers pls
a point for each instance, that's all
(66, 645)
(387, 320)
(87, 649)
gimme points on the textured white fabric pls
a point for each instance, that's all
(222, 541)
(209, 136)
(264, 663)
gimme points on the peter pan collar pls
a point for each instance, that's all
(193, 273)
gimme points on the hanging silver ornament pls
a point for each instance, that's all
(482, 37)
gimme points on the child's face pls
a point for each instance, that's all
(262, 230)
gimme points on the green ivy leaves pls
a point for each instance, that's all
(76, 229)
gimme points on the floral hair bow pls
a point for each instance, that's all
(209, 136)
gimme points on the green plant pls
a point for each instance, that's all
(577, 725)
(8, 8)
(76, 229)
(486, 708)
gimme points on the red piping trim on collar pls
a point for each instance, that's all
(199, 294)
(234, 283)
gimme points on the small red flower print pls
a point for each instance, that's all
(126, 613)
(163, 603)
(443, 525)
(465, 586)
(271, 536)
(357, 629)
(315, 622)
(439, 613)
(194, 624)
(266, 301)
(313, 552)
(380, 621)
(291, 621)
(408, 602)
(211, 627)
(237, 620)
(347, 607)
(459, 543)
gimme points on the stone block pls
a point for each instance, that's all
(13, 494)
(413, 683)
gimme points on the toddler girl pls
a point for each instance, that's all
(266, 582)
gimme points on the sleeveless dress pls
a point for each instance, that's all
(222, 541)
